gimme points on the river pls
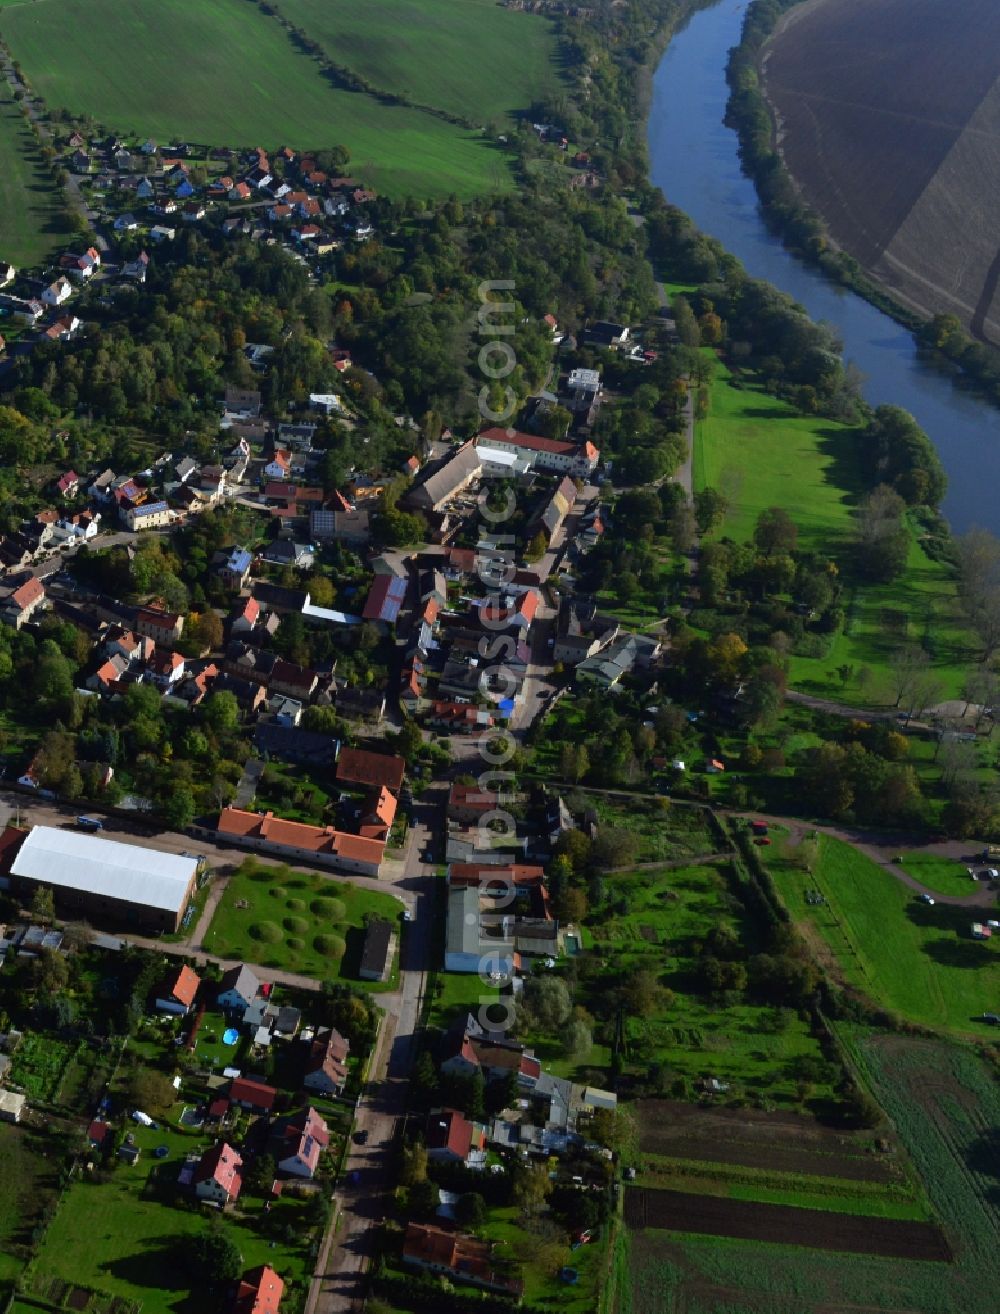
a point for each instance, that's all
(695, 163)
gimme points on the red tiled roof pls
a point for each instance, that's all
(30, 591)
(244, 1091)
(183, 987)
(259, 1292)
(449, 1130)
(297, 835)
(358, 766)
(221, 1164)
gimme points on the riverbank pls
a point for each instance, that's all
(757, 122)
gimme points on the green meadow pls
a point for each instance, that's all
(915, 960)
(473, 58)
(222, 72)
(760, 452)
(31, 217)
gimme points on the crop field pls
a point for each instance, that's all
(913, 959)
(750, 1220)
(470, 58)
(302, 923)
(652, 922)
(945, 1106)
(221, 72)
(889, 117)
(31, 221)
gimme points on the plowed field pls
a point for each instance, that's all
(679, 1211)
(889, 116)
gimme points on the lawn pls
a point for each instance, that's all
(653, 921)
(541, 1287)
(760, 452)
(32, 227)
(943, 875)
(914, 960)
(298, 921)
(472, 59)
(221, 72)
(921, 608)
(127, 1237)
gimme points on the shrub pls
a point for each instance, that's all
(295, 905)
(266, 932)
(331, 946)
(332, 910)
(298, 925)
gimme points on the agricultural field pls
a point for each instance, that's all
(944, 1105)
(474, 59)
(915, 960)
(221, 72)
(764, 1055)
(889, 119)
(297, 921)
(760, 453)
(32, 226)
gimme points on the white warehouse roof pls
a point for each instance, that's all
(70, 860)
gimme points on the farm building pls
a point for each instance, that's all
(105, 879)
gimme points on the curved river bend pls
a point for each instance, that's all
(695, 163)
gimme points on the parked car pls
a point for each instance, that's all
(361, 1137)
(928, 898)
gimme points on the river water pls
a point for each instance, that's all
(696, 165)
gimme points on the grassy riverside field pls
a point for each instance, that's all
(31, 216)
(760, 452)
(301, 923)
(914, 960)
(224, 73)
(471, 58)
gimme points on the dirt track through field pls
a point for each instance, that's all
(818, 1229)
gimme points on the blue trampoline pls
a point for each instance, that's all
(230, 1036)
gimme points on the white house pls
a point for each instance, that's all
(218, 1177)
(58, 292)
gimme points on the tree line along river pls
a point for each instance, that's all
(695, 163)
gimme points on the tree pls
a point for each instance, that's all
(775, 531)
(414, 1166)
(151, 1091)
(883, 540)
(683, 528)
(203, 631)
(222, 712)
(536, 547)
(532, 1187)
(261, 1174)
(577, 1039)
(979, 586)
(641, 993)
(178, 807)
(547, 1000)
(470, 1210)
(710, 508)
(574, 762)
(42, 905)
(214, 1256)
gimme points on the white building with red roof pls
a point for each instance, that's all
(219, 1175)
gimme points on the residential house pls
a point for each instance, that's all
(279, 466)
(252, 1095)
(18, 607)
(136, 269)
(326, 1067)
(148, 515)
(236, 569)
(178, 991)
(166, 669)
(159, 625)
(378, 815)
(361, 704)
(450, 1137)
(219, 1175)
(323, 845)
(379, 949)
(238, 989)
(246, 617)
(290, 744)
(468, 1054)
(358, 766)
(607, 335)
(385, 599)
(58, 292)
(259, 1291)
(461, 1258)
(68, 484)
(297, 1143)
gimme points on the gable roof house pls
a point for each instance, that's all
(238, 989)
(297, 1143)
(463, 1258)
(18, 607)
(177, 993)
(252, 1095)
(259, 1291)
(450, 1137)
(358, 766)
(319, 844)
(57, 292)
(326, 1067)
(218, 1176)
